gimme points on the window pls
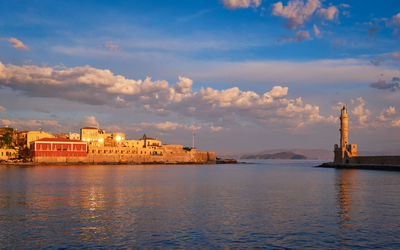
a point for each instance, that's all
(47, 146)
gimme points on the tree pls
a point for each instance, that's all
(6, 140)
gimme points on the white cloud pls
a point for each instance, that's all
(329, 13)
(101, 87)
(396, 21)
(30, 124)
(386, 113)
(317, 32)
(16, 43)
(91, 121)
(396, 123)
(296, 12)
(361, 112)
(234, 4)
(302, 35)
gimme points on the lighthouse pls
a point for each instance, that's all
(346, 150)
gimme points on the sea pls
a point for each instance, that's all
(272, 204)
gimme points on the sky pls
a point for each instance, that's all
(242, 75)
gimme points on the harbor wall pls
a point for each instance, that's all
(192, 156)
(375, 160)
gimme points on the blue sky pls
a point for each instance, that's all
(247, 75)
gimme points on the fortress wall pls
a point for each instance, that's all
(124, 155)
(375, 160)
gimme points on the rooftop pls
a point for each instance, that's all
(58, 140)
(89, 128)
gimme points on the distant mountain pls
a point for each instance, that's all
(310, 154)
(280, 155)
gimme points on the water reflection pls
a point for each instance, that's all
(346, 185)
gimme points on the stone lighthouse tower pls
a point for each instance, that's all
(346, 150)
(344, 130)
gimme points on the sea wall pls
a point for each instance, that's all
(99, 156)
(59, 159)
(375, 160)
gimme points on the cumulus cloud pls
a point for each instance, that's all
(386, 113)
(329, 14)
(111, 46)
(30, 124)
(102, 87)
(361, 112)
(18, 44)
(90, 121)
(2, 108)
(396, 21)
(234, 4)
(338, 106)
(296, 12)
(396, 123)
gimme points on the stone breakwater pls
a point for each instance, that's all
(360, 166)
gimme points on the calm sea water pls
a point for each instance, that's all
(272, 204)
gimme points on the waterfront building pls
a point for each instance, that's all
(94, 136)
(74, 136)
(58, 150)
(36, 135)
(8, 154)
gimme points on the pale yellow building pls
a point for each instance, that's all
(94, 136)
(36, 135)
(99, 138)
(133, 143)
(74, 136)
(8, 154)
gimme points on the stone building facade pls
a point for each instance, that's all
(58, 150)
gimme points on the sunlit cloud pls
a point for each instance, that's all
(30, 124)
(234, 4)
(18, 44)
(2, 108)
(102, 87)
(296, 12)
(91, 121)
(330, 13)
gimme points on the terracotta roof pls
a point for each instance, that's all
(89, 128)
(58, 140)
